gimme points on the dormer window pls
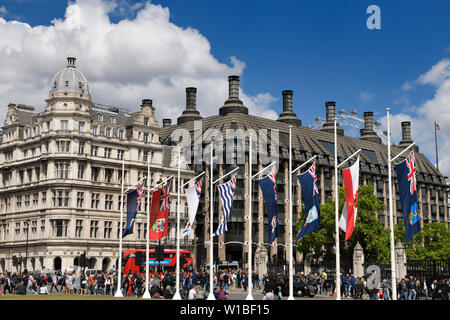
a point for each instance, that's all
(100, 116)
(145, 121)
(113, 119)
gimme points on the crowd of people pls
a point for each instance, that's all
(195, 285)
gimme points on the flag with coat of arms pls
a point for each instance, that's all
(159, 213)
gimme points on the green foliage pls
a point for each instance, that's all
(433, 241)
(369, 231)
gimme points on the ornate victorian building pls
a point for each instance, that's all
(61, 174)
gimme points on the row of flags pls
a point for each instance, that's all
(159, 210)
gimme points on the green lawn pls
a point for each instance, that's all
(66, 297)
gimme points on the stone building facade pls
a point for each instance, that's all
(306, 142)
(61, 174)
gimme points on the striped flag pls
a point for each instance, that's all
(226, 192)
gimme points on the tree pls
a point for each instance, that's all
(369, 231)
(432, 242)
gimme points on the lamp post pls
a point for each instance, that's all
(27, 222)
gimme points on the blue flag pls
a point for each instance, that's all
(268, 187)
(406, 176)
(310, 197)
(133, 203)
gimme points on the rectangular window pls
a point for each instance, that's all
(63, 145)
(145, 121)
(59, 228)
(81, 169)
(94, 151)
(108, 132)
(81, 145)
(113, 119)
(139, 230)
(33, 229)
(145, 156)
(62, 170)
(42, 228)
(94, 229)
(120, 134)
(17, 229)
(95, 200)
(44, 197)
(145, 137)
(19, 202)
(109, 175)
(78, 228)
(107, 152)
(27, 201)
(94, 130)
(118, 228)
(81, 126)
(25, 154)
(64, 125)
(95, 173)
(107, 229)
(108, 201)
(60, 198)
(80, 199)
(120, 154)
(35, 199)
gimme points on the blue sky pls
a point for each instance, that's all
(320, 49)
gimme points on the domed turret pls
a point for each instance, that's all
(69, 81)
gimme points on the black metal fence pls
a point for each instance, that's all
(428, 270)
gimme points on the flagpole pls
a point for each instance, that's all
(391, 218)
(336, 201)
(146, 294)
(250, 172)
(291, 253)
(177, 295)
(211, 248)
(119, 267)
(435, 144)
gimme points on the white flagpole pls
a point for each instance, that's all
(119, 267)
(211, 208)
(336, 200)
(146, 294)
(250, 269)
(177, 295)
(391, 218)
(291, 253)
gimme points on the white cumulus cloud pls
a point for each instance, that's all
(143, 55)
(423, 117)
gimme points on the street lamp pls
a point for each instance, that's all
(27, 222)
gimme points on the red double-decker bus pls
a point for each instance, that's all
(168, 264)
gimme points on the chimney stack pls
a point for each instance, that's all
(368, 133)
(330, 107)
(167, 122)
(406, 134)
(146, 102)
(233, 104)
(191, 98)
(190, 113)
(288, 115)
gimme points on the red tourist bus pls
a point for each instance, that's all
(169, 263)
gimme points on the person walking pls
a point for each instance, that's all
(412, 289)
(386, 289)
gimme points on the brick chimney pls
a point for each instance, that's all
(368, 133)
(233, 104)
(288, 115)
(190, 113)
(330, 107)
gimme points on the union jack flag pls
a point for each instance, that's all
(412, 172)
(164, 199)
(198, 189)
(272, 177)
(140, 191)
(312, 172)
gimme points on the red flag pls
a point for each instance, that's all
(437, 126)
(159, 214)
(351, 184)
